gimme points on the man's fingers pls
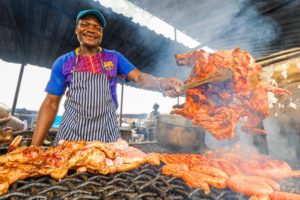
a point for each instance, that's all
(172, 93)
(177, 82)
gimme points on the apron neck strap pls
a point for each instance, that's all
(78, 50)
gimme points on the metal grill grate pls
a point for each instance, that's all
(144, 183)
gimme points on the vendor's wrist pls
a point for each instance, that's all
(160, 85)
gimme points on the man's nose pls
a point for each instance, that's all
(91, 27)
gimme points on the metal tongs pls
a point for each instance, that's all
(220, 75)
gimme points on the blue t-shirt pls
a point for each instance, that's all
(114, 63)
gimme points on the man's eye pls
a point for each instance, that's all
(84, 24)
(98, 28)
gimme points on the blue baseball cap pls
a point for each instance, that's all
(93, 12)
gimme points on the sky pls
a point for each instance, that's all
(35, 79)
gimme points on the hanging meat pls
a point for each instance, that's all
(218, 106)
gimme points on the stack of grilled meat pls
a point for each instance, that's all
(95, 157)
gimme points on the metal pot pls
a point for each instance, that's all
(179, 132)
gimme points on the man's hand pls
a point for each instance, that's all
(172, 87)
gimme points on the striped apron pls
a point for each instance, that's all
(90, 113)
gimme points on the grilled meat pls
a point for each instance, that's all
(243, 170)
(218, 107)
(284, 196)
(249, 185)
(209, 170)
(96, 157)
(174, 169)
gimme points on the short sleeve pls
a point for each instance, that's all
(124, 65)
(56, 84)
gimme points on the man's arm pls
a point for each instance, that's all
(46, 116)
(171, 86)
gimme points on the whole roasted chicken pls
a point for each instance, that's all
(218, 106)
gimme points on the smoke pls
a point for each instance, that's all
(230, 24)
(166, 64)
(245, 28)
(217, 25)
(283, 140)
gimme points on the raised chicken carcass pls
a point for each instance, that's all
(218, 106)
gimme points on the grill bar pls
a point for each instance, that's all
(146, 183)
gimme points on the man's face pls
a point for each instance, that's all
(89, 31)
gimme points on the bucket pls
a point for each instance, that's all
(5, 115)
(126, 133)
(179, 132)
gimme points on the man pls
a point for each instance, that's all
(149, 125)
(90, 73)
(154, 112)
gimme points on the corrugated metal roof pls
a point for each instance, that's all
(38, 31)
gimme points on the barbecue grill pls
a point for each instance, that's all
(146, 182)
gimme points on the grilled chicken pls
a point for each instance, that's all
(218, 106)
(95, 156)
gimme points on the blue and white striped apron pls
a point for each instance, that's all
(90, 113)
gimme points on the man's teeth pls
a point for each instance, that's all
(90, 36)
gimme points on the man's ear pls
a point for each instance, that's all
(76, 30)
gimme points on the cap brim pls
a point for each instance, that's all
(95, 13)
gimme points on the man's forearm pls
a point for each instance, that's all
(45, 119)
(148, 81)
(171, 87)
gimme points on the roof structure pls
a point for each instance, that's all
(259, 27)
(36, 32)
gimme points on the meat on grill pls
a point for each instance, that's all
(243, 170)
(95, 157)
(258, 185)
(218, 107)
(284, 196)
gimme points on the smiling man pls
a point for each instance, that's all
(89, 73)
